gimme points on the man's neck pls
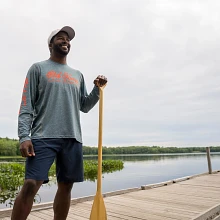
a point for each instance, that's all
(61, 60)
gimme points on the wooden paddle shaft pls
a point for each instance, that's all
(99, 181)
(98, 211)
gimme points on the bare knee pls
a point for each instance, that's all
(65, 187)
(30, 188)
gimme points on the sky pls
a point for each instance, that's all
(161, 58)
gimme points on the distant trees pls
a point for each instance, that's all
(146, 150)
(10, 147)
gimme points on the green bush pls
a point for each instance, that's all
(12, 175)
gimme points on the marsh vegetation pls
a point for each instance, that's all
(12, 176)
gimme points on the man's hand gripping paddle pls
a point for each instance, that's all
(98, 211)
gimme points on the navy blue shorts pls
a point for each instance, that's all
(68, 154)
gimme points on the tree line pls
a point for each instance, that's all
(147, 150)
(10, 147)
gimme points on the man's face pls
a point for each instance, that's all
(61, 44)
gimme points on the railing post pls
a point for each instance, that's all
(209, 159)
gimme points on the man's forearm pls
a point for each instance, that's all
(89, 101)
(24, 126)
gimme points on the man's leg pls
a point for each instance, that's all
(24, 200)
(62, 201)
(37, 168)
(69, 169)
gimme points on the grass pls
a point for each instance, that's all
(6, 157)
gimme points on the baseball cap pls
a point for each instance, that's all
(67, 29)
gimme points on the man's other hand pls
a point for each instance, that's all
(27, 149)
(100, 81)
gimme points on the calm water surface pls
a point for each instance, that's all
(138, 170)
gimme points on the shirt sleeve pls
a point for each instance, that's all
(88, 101)
(29, 97)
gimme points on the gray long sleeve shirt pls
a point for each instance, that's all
(53, 96)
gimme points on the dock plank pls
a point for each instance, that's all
(182, 200)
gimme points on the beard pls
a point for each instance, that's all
(58, 49)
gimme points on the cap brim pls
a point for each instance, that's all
(69, 31)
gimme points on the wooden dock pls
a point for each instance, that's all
(195, 197)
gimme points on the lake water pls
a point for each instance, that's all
(138, 170)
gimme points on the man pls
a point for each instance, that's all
(53, 96)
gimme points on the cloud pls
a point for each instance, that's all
(161, 58)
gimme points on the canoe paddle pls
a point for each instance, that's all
(98, 211)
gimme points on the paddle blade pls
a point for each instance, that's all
(98, 211)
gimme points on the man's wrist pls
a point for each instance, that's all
(23, 139)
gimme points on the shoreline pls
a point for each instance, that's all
(115, 155)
